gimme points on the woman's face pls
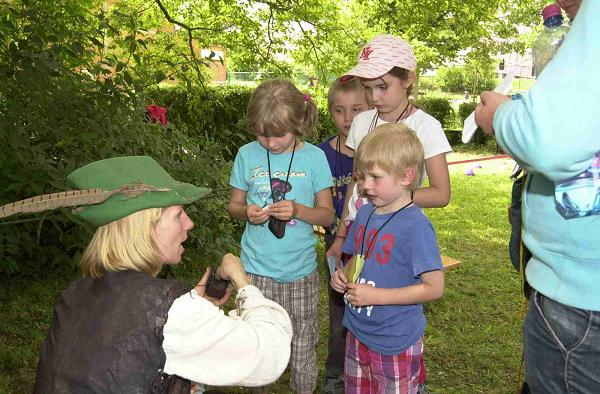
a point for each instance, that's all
(170, 232)
(570, 6)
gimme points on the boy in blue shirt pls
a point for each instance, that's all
(396, 266)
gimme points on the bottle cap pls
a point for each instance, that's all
(551, 10)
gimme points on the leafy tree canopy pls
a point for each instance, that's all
(439, 29)
(137, 42)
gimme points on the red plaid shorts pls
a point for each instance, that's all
(369, 372)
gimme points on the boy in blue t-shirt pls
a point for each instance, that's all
(396, 266)
(345, 100)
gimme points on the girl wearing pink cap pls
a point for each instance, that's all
(386, 67)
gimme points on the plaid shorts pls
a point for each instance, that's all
(369, 372)
(299, 298)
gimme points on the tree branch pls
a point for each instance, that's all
(189, 30)
(315, 50)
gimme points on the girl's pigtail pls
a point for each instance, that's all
(309, 123)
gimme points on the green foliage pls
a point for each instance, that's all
(465, 109)
(438, 107)
(427, 83)
(440, 29)
(209, 116)
(473, 77)
(325, 126)
(453, 136)
(216, 114)
(53, 119)
(451, 79)
(137, 43)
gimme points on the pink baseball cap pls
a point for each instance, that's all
(380, 55)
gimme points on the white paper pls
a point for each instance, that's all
(331, 264)
(470, 126)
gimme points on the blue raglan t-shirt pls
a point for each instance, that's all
(293, 256)
(340, 165)
(405, 248)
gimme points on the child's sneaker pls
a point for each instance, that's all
(333, 384)
(422, 389)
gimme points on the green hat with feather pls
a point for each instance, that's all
(111, 189)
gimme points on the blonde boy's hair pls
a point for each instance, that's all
(393, 147)
(278, 107)
(352, 85)
(125, 244)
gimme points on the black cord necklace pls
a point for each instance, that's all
(362, 245)
(338, 152)
(402, 117)
(287, 177)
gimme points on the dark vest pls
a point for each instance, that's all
(106, 336)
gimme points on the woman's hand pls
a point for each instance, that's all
(485, 110)
(256, 214)
(231, 268)
(201, 290)
(283, 210)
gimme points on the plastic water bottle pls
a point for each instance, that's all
(550, 38)
(580, 195)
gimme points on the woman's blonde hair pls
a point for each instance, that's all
(393, 147)
(277, 107)
(352, 85)
(125, 244)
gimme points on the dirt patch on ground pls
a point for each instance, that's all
(484, 166)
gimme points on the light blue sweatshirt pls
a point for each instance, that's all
(554, 132)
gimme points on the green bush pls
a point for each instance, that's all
(453, 136)
(210, 115)
(72, 126)
(438, 107)
(474, 77)
(216, 114)
(325, 127)
(54, 119)
(427, 84)
(451, 79)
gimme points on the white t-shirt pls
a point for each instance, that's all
(428, 129)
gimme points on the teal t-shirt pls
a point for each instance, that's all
(293, 256)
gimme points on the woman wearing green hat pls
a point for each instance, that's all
(121, 329)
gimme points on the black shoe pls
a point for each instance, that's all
(333, 384)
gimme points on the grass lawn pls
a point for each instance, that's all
(473, 340)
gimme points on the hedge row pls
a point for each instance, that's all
(216, 114)
(61, 124)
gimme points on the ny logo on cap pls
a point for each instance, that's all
(366, 52)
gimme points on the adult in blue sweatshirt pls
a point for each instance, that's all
(554, 133)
